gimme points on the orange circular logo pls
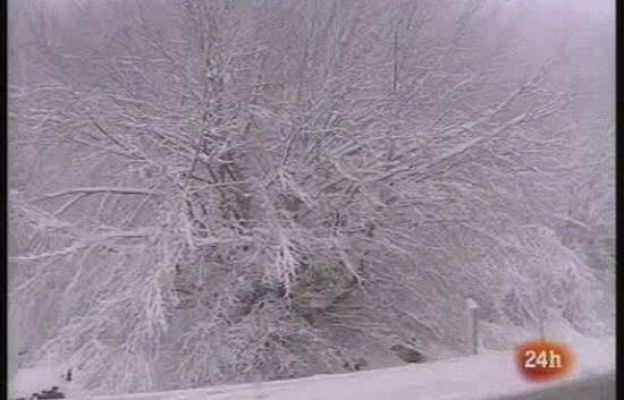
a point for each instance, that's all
(543, 360)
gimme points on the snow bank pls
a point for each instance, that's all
(491, 375)
(32, 380)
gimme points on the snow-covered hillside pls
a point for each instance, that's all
(491, 375)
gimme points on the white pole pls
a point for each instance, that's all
(472, 325)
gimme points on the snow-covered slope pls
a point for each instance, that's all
(491, 375)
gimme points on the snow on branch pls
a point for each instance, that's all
(98, 190)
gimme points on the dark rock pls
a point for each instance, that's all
(359, 364)
(50, 396)
(355, 365)
(407, 354)
(53, 393)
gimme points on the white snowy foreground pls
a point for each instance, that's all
(492, 375)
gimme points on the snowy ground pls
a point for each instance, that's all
(487, 376)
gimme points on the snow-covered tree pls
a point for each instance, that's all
(218, 191)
